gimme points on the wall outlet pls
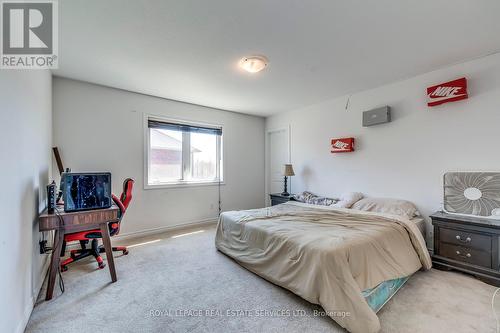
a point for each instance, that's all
(43, 246)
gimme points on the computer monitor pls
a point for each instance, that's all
(85, 191)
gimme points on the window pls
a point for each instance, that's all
(183, 153)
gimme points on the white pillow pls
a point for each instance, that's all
(390, 206)
(348, 199)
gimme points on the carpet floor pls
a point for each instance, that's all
(179, 282)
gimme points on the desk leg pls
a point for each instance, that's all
(54, 262)
(109, 251)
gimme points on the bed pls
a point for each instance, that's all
(348, 261)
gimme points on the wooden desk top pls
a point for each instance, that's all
(75, 221)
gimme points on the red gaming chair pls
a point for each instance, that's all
(93, 235)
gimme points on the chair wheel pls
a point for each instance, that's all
(125, 252)
(101, 265)
(64, 268)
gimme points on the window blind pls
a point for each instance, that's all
(183, 127)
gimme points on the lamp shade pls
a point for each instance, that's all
(288, 170)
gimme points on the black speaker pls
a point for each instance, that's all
(51, 197)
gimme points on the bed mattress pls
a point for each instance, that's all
(345, 260)
(377, 297)
(381, 294)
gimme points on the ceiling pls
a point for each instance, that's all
(188, 50)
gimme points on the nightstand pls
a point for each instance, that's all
(467, 244)
(277, 198)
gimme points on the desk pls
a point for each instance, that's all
(67, 223)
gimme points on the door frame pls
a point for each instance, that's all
(287, 131)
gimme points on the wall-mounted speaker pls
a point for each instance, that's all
(377, 116)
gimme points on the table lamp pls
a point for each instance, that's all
(287, 172)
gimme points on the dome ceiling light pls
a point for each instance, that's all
(253, 64)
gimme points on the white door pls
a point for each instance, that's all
(277, 156)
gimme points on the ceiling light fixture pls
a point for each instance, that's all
(254, 64)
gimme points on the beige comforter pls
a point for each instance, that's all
(325, 255)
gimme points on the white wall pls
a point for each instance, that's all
(405, 158)
(25, 142)
(101, 129)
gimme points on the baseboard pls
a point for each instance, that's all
(26, 315)
(34, 296)
(153, 231)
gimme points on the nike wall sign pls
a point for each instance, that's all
(343, 145)
(447, 92)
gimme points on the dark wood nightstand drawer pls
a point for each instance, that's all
(277, 201)
(277, 198)
(466, 238)
(468, 244)
(465, 254)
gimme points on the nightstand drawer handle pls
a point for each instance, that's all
(467, 240)
(468, 255)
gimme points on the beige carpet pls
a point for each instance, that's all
(182, 284)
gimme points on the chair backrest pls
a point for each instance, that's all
(122, 203)
(126, 197)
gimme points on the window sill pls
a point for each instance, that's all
(181, 185)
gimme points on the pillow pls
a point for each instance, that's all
(348, 199)
(314, 199)
(390, 206)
